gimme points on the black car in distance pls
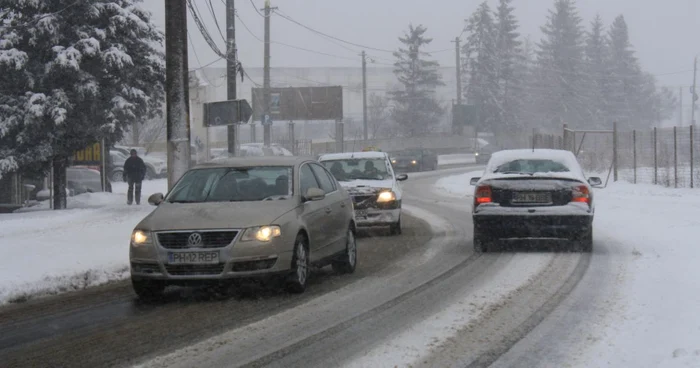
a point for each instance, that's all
(414, 159)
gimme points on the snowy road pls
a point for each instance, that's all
(422, 299)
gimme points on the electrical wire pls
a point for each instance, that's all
(216, 21)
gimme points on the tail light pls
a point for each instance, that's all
(482, 195)
(581, 194)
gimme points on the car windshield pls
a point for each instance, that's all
(240, 184)
(414, 152)
(358, 169)
(531, 167)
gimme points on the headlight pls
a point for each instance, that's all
(262, 233)
(393, 161)
(476, 154)
(414, 162)
(140, 237)
(386, 197)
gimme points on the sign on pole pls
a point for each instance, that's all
(299, 103)
(223, 113)
(90, 156)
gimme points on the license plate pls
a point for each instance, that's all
(532, 197)
(193, 258)
(361, 214)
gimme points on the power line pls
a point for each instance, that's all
(256, 9)
(207, 65)
(216, 21)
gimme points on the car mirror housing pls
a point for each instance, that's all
(402, 177)
(314, 194)
(156, 199)
(473, 181)
(595, 181)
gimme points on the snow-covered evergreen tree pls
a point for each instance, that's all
(415, 107)
(508, 56)
(562, 79)
(626, 77)
(598, 68)
(71, 74)
(479, 59)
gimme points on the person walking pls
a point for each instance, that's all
(134, 173)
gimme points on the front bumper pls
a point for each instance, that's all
(564, 222)
(237, 260)
(377, 217)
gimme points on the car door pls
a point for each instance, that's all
(338, 215)
(314, 213)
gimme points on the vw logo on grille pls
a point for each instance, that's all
(194, 240)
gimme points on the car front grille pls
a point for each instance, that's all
(364, 201)
(210, 239)
(195, 270)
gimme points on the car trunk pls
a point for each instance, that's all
(528, 191)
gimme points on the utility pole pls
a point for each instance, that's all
(231, 69)
(364, 93)
(266, 77)
(177, 90)
(459, 72)
(694, 95)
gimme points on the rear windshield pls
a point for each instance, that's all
(241, 184)
(531, 167)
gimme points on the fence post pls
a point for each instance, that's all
(656, 160)
(691, 157)
(675, 159)
(534, 137)
(615, 151)
(564, 140)
(634, 154)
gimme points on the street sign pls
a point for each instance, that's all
(300, 103)
(227, 113)
(89, 156)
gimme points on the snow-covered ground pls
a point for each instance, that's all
(456, 159)
(655, 322)
(47, 252)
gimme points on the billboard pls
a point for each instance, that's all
(300, 103)
(89, 156)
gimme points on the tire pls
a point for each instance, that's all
(584, 242)
(395, 229)
(348, 261)
(481, 242)
(296, 281)
(117, 176)
(148, 289)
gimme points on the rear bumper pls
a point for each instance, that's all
(517, 223)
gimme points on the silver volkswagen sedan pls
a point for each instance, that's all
(243, 218)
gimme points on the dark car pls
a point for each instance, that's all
(483, 154)
(415, 159)
(534, 194)
(79, 180)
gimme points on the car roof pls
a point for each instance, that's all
(564, 157)
(256, 161)
(347, 155)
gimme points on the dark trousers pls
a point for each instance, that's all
(130, 192)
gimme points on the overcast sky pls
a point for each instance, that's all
(665, 33)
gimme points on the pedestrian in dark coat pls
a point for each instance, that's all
(134, 173)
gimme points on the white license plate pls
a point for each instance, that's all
(362, 214)
(193, 258)
(532, 197)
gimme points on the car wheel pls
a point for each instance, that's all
(296, 282)
(584, 242)
(148, 289)
(481, 242)
(395, 229)
(348, 261)
(117, 176)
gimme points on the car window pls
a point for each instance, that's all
(241, 184)
(323, 178)
(531, 167)
(359, 169)
(307, 179)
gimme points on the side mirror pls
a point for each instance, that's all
(156, 199)
(473, 181)
(314, 194)
(595, 181)
(402, 177)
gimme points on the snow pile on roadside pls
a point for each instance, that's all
(457, 185)
(456, 159)
(48, 252)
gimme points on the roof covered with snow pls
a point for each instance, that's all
(349, 155)
(563, 157)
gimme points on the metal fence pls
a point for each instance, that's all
(663, 156)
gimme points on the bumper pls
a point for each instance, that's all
(377, 217)
(407, 168)
(240, 260)
(544, 223)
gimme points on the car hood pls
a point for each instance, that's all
(216, 215)
(369, 186)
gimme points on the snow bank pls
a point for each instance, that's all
(49, 252)
(456, 159)
(457, 185)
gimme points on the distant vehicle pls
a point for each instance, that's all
(255, 217)
(155, 167)
(116, 172)
(526, 194)
(414, 159)
(373, 185)
(483, 154)
(79, 180)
